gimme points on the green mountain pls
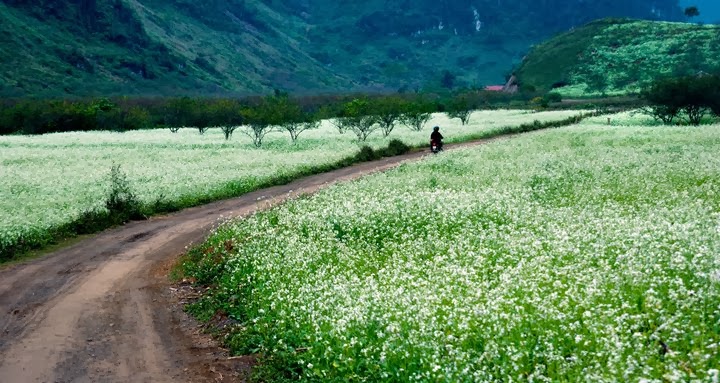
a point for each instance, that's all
(169, 47)
(151, 47)
(616, 56)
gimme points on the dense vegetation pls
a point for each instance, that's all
(124, 114)
(691, 98)
(162, 47)
(582, 254)
(620, 56)
(153, 47)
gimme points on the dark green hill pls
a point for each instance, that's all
(615, 56)
(152, 47)
(161, 47)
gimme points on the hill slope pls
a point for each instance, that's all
(620, 56)
(160, 47)
(151, 47)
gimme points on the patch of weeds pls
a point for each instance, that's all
(121, 202)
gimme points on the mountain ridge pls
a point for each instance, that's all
(78, 48)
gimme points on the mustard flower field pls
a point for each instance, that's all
(582, 254)
(49, 180)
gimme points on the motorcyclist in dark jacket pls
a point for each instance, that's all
(436, 137)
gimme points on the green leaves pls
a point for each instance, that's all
(694, 96)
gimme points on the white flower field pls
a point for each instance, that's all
(582, 254)
(49, 180)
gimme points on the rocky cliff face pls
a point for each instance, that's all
(159, 47)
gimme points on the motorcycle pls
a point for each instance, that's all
(435, 146)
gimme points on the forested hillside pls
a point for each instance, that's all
(614, 56)
(160, 47)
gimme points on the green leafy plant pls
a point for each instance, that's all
(693, 96)
(359, 119)
(121, 202)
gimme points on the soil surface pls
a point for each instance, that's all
(104, 310)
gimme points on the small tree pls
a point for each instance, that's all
(341, 124)
(290, 117)
(663, 113)
(260, 120)
(693, 95)
(180, 112)
(388, 111)
(359, 120)
(203, 118)
(332, 113)
(121, 201)
(416, 115)
(227, 114)
(462, 107)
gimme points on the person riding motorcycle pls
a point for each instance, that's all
(436, 138)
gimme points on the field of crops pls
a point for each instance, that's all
(49, 180)
(589, 253)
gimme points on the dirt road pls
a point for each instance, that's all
(103, 310)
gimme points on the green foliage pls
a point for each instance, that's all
(614, 57)
(226, 114)
(358, 117)
(395, 148)
(417, 114)
(121, 202)
(389, 111)
(553, 97)
(462, 105)
(290, 116)
(40, 117)
(179, 47)
(366, 153)
(693, 96)
(181, 112)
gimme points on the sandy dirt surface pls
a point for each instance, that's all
(104, 310)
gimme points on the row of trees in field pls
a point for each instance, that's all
(691, 98)
(255, 116)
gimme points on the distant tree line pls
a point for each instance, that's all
(254, 116)
(689, 98)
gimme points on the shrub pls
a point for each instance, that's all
(121, 202)
(462, 106)
(365, 154)
(553, 97)
(395, 147)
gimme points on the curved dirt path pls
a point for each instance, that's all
(104, 311)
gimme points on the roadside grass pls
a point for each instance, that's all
(583, 253)
(55, 186)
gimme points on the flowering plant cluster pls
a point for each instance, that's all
(50, 180)
(589, 253)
